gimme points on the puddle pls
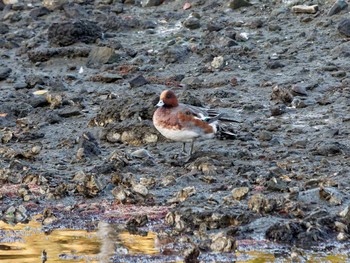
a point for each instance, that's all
(25, 243)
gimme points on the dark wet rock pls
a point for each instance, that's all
(274, 64)
(38, 101)
(147, 3)
(338, 6)
(214, 26)
(119, 23)
(4, 28)
(235, 4)
(33, 80)
(88, 146)
(191, 255)
(344, 27)
(265, 136)
(138, 81)
(103, 55)
(69, 112)
(38, 12)
(106, 78)
(329, 149)
(74, 10)
(68, 33)
(137, 221)
(191, 22)
(45, 54)
(2, 5)
(278, 110)
(281, 94)
(298, 90)
(5, 73)
(175, 54)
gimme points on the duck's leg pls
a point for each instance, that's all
(183, 147)
(191, 150)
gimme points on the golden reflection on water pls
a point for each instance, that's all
(25, 242)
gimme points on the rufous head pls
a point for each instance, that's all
(167, 99)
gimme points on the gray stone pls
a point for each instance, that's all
(235, 4)
(68, 33)
(344, 27)
(338, 6)
(4, 73)
(102, 55)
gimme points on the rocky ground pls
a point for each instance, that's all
(79, 80)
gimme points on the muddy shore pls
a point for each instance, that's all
(78, 84)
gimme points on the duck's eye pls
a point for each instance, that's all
(168, 96)
(188, 113)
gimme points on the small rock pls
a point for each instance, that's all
(265, 136)
(338, 6)
(235, 4)
(4, 29)
(218, 62)
(38, 12)
(88, 146)
(69, 112)
(68, 33)
(191, 22)
(278, 110)
(141, 153)
(281, 94)
(4, 73)
(342, 236)
(328, 149)
(344, 27)
(345, 214)
(186, 6)
(140, 189)
(312, 9)
(138, 81)
(274, 64)
(137, 221)
(54, 4)
(191, 255)
(222, 243)
(102, 55)
(147, 3)
(10, 2)
(239, 193)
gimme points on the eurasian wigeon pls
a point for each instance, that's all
(182, 122)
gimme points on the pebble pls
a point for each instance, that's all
(338, 6)
(218, 62)
(235, 4)
(191, 22)
(138, 81)
(54, 4)
(102, 55)
(312, 9)
(5, 73)
(239, 193)
(344, 27)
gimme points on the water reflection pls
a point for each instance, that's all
(26, 242)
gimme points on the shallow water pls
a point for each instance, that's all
(25, 243)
